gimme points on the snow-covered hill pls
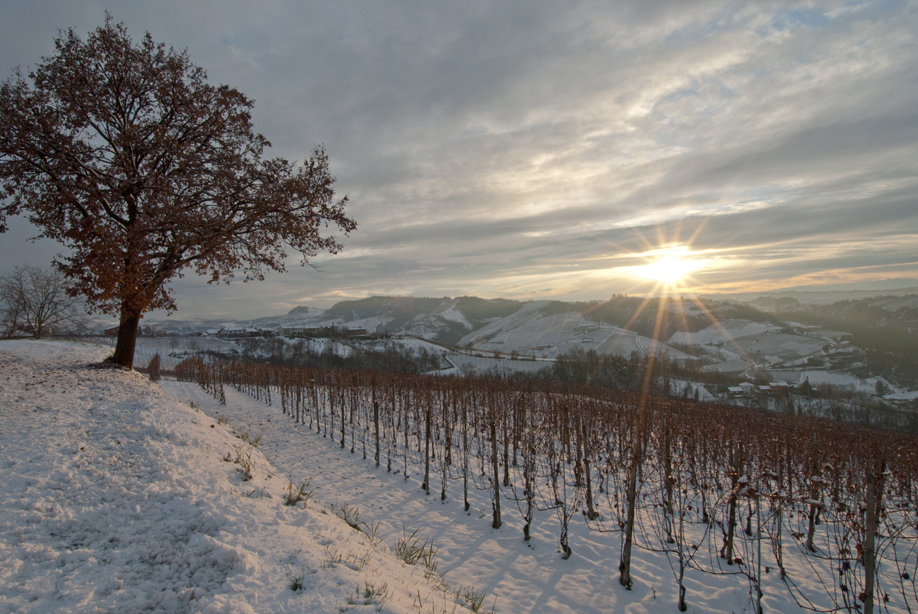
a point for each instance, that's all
(533, 332)
(118, 497)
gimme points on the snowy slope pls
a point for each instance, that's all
(723, 332)
(531, 332)
(119, 497)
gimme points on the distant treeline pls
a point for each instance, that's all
(890, 338)
(389, 356)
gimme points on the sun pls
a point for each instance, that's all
(670, 268)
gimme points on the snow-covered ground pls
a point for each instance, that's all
(723, 332)
(119, 497)
(470, 363)
(454, 315)
(531, 333)
(122, 495)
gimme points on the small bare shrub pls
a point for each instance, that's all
(332, 558)
(295, 495)
(351, 515)
(473, 599)
(296, 582)
(413, 551)
(246, 464)
(370, 594)
(153, 368)
(252, 442)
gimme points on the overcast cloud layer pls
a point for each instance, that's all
(536, 149)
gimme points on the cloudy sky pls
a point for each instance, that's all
(535, 149)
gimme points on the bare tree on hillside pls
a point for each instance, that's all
(34, 299)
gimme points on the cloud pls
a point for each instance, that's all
(516, 146)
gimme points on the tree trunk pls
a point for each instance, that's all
(495, 503)
(726, 552)
(376, 424)
(812, 516)
(127, 339)
(592, 514)
(465, 455)
(683, 563)
(874, 504)
(426, 484)
(447, 458)
(343, 433)
(624, 565)
(667, 485)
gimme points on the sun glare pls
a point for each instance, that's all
(670, 268)
(667, 270)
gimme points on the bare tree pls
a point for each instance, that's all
(125, 154)
(35, 299)
(10, 309)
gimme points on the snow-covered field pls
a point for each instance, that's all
(531, 333)
(469, 363)
(723, 332)
(121, 495)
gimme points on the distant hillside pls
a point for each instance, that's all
(891, 313)
(400, 308)
(726, 335)
(775, 300)
(548, 329)
(445, 320)
(483, 310)
(885, 326)
(644, 315)
(850, 342)
(455, 321)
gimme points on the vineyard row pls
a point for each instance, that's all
(719, 490)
